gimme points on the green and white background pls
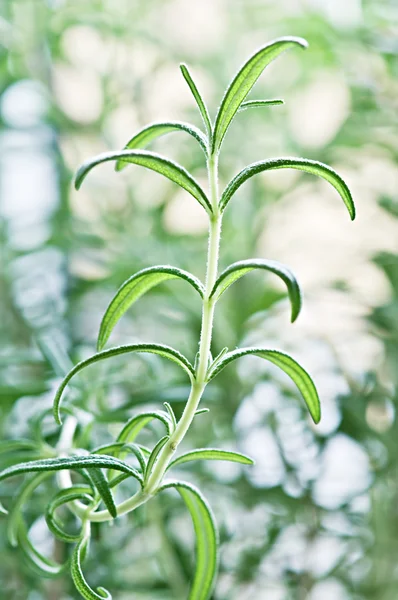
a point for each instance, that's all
(316, 517)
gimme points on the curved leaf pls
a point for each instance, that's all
(155, 130)
(243, 82)
(122, 448)
(172, 416)
(198, 98)
(102, 486)
(75, 492)
(206, 539)
(159, 349)
(259, 104)
(211, 454)
(154, 454)
(238, 269)
(77, 574)
(134, 288)
(299, 376)
(302, 164)
(15, 514)
(134, 425)
(90, 461)
(153, 161)
(44, 566)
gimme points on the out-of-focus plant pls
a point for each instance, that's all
(100, 471)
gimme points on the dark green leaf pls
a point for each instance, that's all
(154, 454)
(302, 164)
(198, 98)
(119, 448)
(211, 454)
(244, 81)
(77, 574)
(238, 269)
(159, 349)
(299, 376)
(206, 539)
(155, 130)
(152, 161)
(134, 288)
(259, 104)
(102, 486)
(132, 428)
(76, 492)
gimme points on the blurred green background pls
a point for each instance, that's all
(317, 517)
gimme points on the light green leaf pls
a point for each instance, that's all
(77, 574)
(17, 445)
(120, 448)
(244, 81)
(211, 454)
(259, 104)
(134, 288)
(159, 349)
(238, 269)
(301, 164)
(132, 428)
(153, 161)
(299, 376)
(15, 514)
(155, 130)
(75, 492)
(206, 539)
(198, 98)
(44, 566)
(102, 486)
(153, 456)
(172, 416)
(90, 461)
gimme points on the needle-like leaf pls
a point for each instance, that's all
(238, 269)
(302, 164)
(153, 456)
(299, 376)
(259, 104)
(211, 454)
(172, 416)
(138, 422)
(134, 288)
(198, 98)
(75, 492)
(44, 566)
(102, 486)
(155, 130)
(15, 514)
(77, 574)
(153, 161)
(243, 82)
(206, 539)
(159, 349)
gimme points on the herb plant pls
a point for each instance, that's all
(98, 472)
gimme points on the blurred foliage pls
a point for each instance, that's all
(317, 517)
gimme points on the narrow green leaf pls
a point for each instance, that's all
(132, 428)
(238, 269)
(17, 445)
(121, 448)
(77, 574)
(160, 349)
(154, 454)
(134, 288)
(211, 454)
(75, 492)
(299, 376)
(44, 566)
(155, 130)
(15, 514)
(206, 539)
(90, 461)
(171, 415)
(102, 486)
(153, 161)
(244, 81)
(301, 164)
(259, 104)
(202, 411)
(198, 98)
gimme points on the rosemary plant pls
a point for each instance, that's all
(100, 471)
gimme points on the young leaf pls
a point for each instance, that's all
(159, 349)
(171, 415)
(299, 376)
(44, 566)
(76, 492)
(302, 164)
(138, 422)
(134, 288)
(211, 454)
(259, 104)
(206, 539)
(244, 81)
(155, 130)
(154, 454)
(202, 411)
(198, 98)
(15, 514)
(153, 161)
(77, 574)
(90, 461)
(238, 269)
(102, 486)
